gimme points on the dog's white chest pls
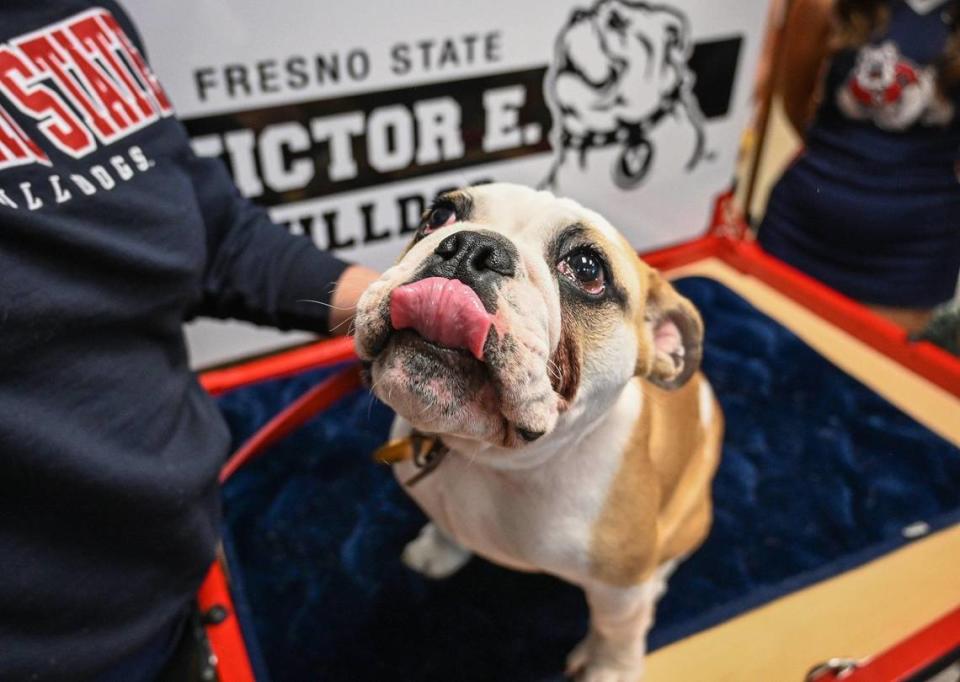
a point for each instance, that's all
(538, 519)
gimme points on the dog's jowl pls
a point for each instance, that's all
(556, 376)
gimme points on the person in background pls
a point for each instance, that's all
(871, 206)
(112, 235)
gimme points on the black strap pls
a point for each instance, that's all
(425, 459)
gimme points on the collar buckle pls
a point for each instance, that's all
(425, 451)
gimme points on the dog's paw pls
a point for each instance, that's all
(435, 555)
(589, 663)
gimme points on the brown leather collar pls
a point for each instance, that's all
(425, 451)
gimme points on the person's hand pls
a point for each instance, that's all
(352, 283)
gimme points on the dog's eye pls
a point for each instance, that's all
(584, 268)
(441, 216)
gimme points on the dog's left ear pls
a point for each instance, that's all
(673, 335)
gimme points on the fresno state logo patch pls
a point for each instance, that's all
(80, 84)
(618, 86)
(891, 91)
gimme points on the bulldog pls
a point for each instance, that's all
(619, 89)
(558, 375)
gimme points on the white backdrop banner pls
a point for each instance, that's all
(346, 119)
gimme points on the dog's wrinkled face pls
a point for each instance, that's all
(515, 314)
(616, 63)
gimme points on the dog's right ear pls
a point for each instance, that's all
(671, 336)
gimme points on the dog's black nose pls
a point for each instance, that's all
(475, 257)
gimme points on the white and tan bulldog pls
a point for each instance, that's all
(560, 373)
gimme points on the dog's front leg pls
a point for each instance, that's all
(434, 554)
(620, 617)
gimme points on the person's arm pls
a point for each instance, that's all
(806, 45)
(257, 271)
(352, 283)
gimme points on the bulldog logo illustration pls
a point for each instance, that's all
(619, 89)
(893, 92)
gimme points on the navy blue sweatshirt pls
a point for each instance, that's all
(112, 234)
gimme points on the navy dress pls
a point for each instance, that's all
(872, 205)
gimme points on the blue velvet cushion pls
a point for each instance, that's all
(819, 474)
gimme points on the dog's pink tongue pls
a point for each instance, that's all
(445, 311)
